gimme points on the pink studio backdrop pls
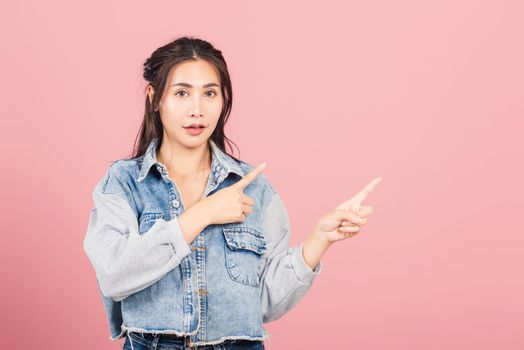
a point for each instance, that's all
(428, 95)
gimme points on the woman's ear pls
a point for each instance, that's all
(150, 92)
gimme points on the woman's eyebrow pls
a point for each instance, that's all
(191, 86)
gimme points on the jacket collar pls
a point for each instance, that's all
(221, 163)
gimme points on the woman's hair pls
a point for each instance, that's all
(156, 72)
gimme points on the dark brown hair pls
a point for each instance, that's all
(156, 72)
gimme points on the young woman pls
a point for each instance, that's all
(189, 244)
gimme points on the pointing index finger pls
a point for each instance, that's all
(247, 179)
(360, 196)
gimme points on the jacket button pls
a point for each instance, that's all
(176, 203)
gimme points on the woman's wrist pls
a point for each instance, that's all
(192, 222)
(315, 246)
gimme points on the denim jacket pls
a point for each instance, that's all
(225, 284)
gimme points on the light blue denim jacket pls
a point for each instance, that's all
(224, 285)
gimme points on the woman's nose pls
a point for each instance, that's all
(196, 105)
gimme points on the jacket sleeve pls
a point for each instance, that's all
(285, 276)
(114, 315)
(125, 261)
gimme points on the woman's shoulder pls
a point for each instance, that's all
(118, 175)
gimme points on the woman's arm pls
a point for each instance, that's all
(125, 261)
(289, 272)
(286, 277)
(314, 247)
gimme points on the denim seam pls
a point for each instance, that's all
(155, 331)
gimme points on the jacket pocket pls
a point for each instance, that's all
(147, 220)
(243, 249)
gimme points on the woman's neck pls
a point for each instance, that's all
(184, 162)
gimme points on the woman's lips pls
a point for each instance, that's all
(193, 131)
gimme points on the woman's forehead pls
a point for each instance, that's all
(199, 74)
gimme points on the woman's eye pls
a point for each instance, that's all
(210, 93)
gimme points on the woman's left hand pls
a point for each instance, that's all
(346, 219)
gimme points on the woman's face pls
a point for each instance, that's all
(192, 96)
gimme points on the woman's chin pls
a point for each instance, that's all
(194, 141)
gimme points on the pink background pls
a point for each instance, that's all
(426, 94)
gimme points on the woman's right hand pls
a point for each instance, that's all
(230, 204)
